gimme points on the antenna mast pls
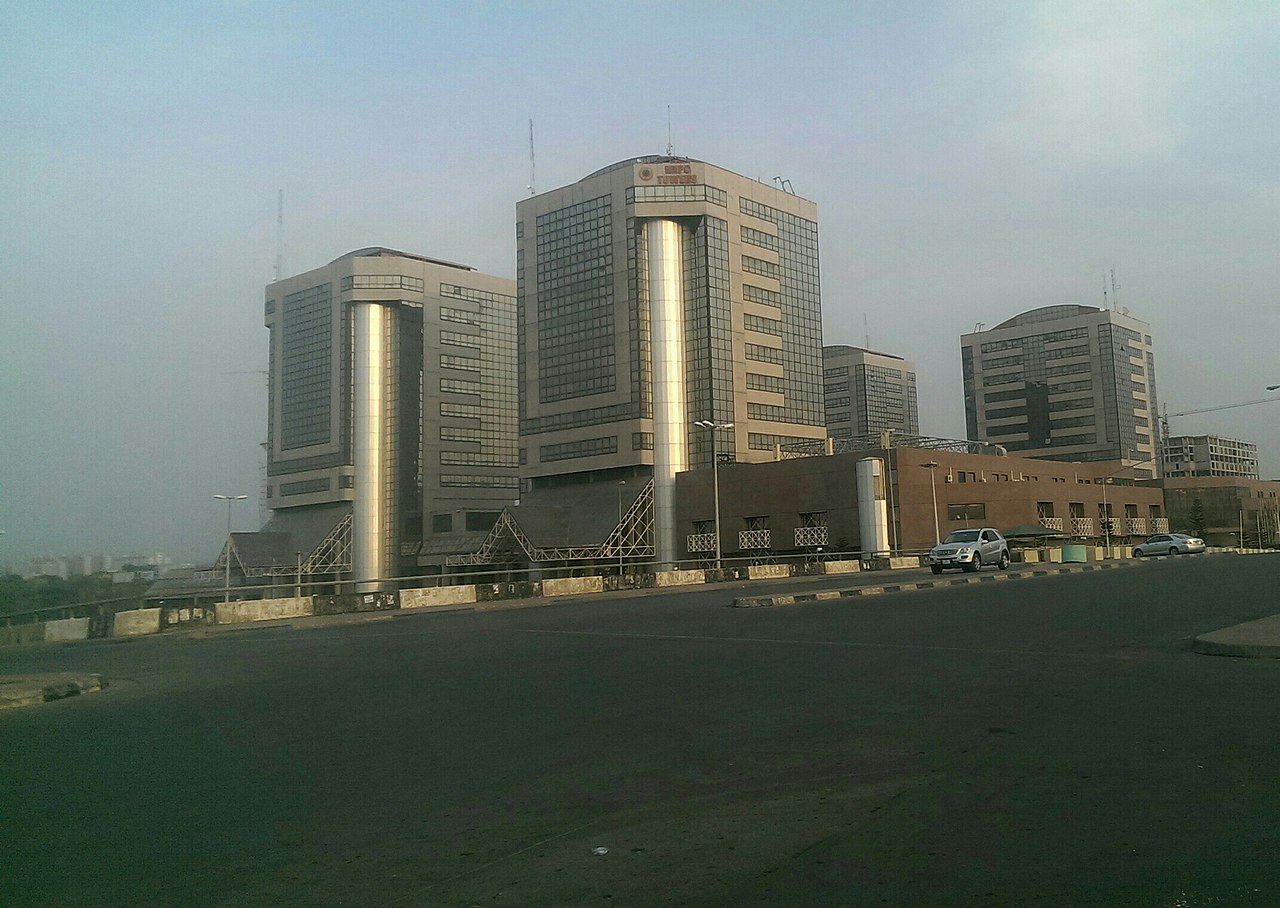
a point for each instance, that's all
(668, 130)
(866, 331)
(1115, 290)
(532, 171)
(280, 236)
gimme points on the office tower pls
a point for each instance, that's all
(868, 393)
(654, 294)
(1209, 455)
(392, 397)
(1065, 383)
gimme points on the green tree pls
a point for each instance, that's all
(1197, 519)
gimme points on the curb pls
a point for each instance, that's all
(860, 591)
(34, 689)
(1259, 639)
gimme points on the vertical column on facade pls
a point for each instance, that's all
(372, 553)
(670, 421)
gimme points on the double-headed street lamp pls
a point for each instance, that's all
(229, 499)
(933, 489)
(713, 427)
(622, 484)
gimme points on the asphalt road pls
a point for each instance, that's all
(1052, 741)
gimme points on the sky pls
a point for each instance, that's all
(969, 161)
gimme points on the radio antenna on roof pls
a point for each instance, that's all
(532, 171)
(668, 130)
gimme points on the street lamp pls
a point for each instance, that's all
(226, 587)
(933, 489)
(622, 484)
(712, 427)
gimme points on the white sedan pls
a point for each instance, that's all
(1169, 544)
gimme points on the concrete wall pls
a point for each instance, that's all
(437, 595)
(679, 578)
(262, 610)
(67, 629)
(567, 586)
(136, 623)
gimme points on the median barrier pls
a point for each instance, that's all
(66, 629)
(263, 610)
(136, 622)
(841, 567)
(22, 634)
(569, 586)
(768, 571)
(431, 596)
(679, 578)
(903, 562)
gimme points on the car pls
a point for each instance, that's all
(969, 550)
(1169, 544)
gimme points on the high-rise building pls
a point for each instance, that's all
(653, 294)
(1065, 383)
(868, 393)
(1209, 455)
(392, 398)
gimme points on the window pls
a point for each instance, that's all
(976, 511)
(442, 523)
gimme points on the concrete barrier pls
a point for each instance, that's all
(22, 634)
(904, 562)
(679, 578)
(436, 596)
(568, 586)
(841, 567)
(66, 629)
(135, 623)
(768, 571)
(262, 610)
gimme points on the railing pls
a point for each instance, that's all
(1051, 523)
(754, 539)
(810, 536)
(1159, 524)
(700, 542)
(1137, 526)
(1082, 526)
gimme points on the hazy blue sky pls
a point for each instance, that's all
(969, 161)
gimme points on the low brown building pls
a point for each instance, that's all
(801, 504)
(1222, 508)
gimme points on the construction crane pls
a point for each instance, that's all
(1164, 420)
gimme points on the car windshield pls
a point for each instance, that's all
(963, 536)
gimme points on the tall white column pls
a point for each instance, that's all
(369, 558)
(670, 421)
(873, 518)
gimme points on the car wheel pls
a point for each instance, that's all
(1173, 550)
(974, 565)
(1004, 561)
(936, 568)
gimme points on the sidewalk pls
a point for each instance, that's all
(1252, 640)
(28, 690)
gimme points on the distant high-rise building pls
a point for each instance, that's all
(392, 391)
(1065, 383)
(656, 293)
(1209, 455)
(868, 393)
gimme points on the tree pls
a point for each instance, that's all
(1197, 519)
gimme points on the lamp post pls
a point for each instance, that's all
(933, 489)
(622, 484)
(713, 427)
(226, 587)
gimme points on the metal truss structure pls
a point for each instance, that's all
(631, 539)
(881, 440)
(331, 556)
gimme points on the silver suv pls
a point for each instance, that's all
(970, 550)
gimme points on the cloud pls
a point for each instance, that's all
(1101, 81)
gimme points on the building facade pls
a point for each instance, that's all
(392, 389)
(1068, 382)
(1209, 455)
(867, 393)
(1225, 510)
(654, 294)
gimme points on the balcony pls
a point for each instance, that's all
(1081, 526)
(754, 539)
(700, 542)
(1137, 526)
(1159, 524)
(808, 537)
(1052, 523)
